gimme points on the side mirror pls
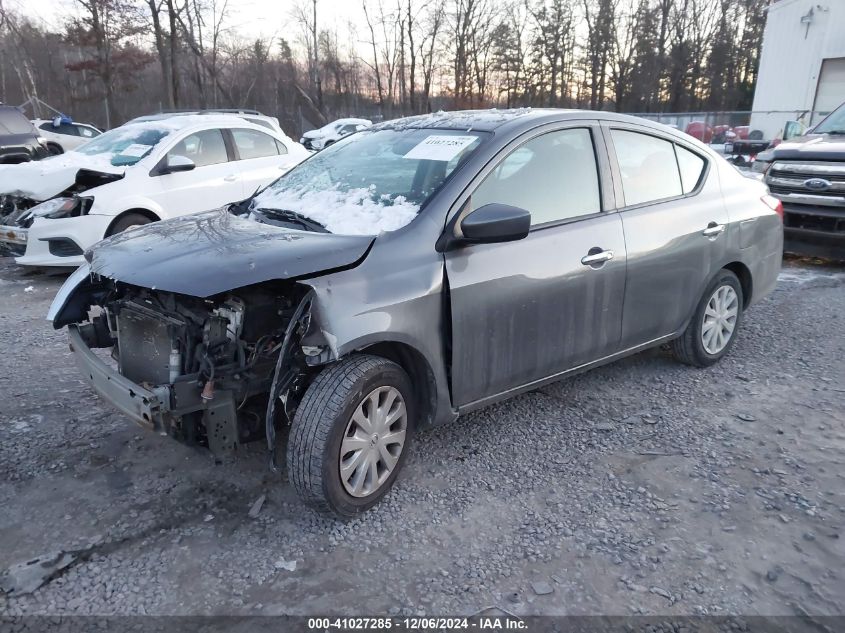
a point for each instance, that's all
(494, 223)
(174, 164)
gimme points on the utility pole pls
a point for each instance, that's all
(317, 80)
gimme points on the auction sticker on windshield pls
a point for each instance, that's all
(440, 147)
(136, 150)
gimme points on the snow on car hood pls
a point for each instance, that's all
(208, 253)
(352, 212)
(43, 179)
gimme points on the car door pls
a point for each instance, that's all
(261, 158)
(213, 182)
(675, 229)
(522, 311)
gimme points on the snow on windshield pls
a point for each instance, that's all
(372, 181)
(352, 212)
(125, 146)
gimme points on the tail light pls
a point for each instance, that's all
(774, 204)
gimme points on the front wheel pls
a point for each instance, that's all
(128, 221)
(712, 330)
(350, 435)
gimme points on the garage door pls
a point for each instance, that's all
(830, 91)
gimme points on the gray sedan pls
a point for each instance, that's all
(414, 272)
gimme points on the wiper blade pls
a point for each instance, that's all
(293, 217)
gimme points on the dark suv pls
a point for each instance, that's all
(19, 141)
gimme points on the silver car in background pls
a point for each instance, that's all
(415, 271)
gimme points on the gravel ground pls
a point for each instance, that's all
(641, 487)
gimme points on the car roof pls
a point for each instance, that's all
(186, 121)
(493, 119)
(348, 121)
(72, 122)
(516, 119)
(243, 115)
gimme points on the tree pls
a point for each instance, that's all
(106, 29)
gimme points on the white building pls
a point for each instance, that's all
(802, 64)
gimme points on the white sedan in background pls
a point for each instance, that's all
(52, 210)
(323, 137)
(63, 135)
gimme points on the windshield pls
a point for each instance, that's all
(125, 145)
(370, 182)
(834, 123)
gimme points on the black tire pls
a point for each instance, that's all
(689, 348)
(127, 221)
(55, 149)
(319, 426)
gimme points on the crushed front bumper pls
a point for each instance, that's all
(12, 240)
(146, 407)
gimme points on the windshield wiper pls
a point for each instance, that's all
(832, 132)
(292, 217)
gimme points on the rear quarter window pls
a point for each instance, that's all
(691, 166)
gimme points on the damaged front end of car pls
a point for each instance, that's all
(19, 209)
(206, 371)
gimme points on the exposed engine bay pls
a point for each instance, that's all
(219, 364)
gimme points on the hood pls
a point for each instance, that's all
(208, 253)
(812, 147)
(43, 179)
(312, 134)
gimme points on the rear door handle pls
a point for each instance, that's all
(713, 230)
(597, 258)
(231, 178)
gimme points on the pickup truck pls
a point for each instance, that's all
(807, 174)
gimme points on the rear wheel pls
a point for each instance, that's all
(128, 221)
(712, 329)
(350, 435)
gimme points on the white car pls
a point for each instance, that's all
(52, 210)
(253, 116)
(63, 136)
(328, 134)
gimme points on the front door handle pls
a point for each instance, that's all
(713, 230)
(596, 258)
(231, 178)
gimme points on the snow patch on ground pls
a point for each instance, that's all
(353, 212)
(802, 276)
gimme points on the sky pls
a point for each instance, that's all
(251, 18)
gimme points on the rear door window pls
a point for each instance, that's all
(647, 166)
(204, 148)
(254, 144)
(86, 132)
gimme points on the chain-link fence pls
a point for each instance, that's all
(766, 124)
